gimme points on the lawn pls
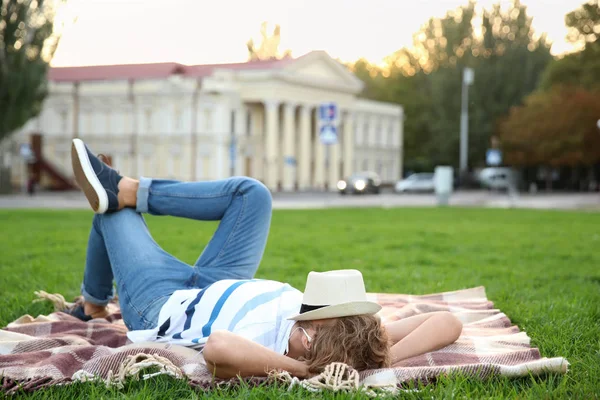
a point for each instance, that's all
(542, 268)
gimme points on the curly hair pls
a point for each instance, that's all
(359, 341)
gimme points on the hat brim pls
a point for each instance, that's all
(339, 310)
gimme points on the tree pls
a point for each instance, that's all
(508, 63)
(499, 44)
(583, 67)
(27, 44)
(584, 23)
(269, 45)
(553, 128)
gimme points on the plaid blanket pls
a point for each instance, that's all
(59, 349)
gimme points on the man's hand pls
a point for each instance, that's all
(228, 355)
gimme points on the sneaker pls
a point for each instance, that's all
(78, 313)
(98, 181)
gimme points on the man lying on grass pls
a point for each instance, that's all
(243, 326)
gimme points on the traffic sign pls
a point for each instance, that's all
(493, 157)
(328, 134)
(328, 112)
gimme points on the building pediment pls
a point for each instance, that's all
(318, 68)
(315, 69)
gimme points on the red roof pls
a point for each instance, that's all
(151, 71)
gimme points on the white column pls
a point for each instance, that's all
(348, 144)
(271, 144)
(141, 130)
(319, 151)
(289, 140)
(304, 149)
(334, 167)
(257, 143)
(221, 141)
(240, 137)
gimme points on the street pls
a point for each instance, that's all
(319, 200)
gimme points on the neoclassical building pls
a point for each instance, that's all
(203, 122)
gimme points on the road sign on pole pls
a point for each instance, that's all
(328, 134)
(328, 123)
(328, 112)
(493, 157)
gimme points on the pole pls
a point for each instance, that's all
(464, 129)
(464, 121)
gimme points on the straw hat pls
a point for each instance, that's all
(335, 294)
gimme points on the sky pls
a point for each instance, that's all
(204, 32)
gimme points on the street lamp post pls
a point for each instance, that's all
(468, 75)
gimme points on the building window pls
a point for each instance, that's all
(208, 123)
(391, 141)
(248, 123)
(108, 124)
(365, 166)
(178, 118)
(148, 115)
(378, 135)
(64, 122)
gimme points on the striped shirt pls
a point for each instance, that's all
(255, 309)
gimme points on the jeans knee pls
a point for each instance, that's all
(257, 192)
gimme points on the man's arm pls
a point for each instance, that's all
(421, 334)
(228, 355)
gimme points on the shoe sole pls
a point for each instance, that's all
(86, 178)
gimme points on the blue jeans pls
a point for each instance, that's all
(120, 247)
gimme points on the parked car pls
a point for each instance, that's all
(497, 177)
(421, 182)
(360, 183)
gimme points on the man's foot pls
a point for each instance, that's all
(86, 313)
(99, 182)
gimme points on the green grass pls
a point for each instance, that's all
(541, 268)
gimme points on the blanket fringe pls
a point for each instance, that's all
(57, 300)
(336, 377)
(132, 366)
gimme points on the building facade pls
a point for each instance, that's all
(203, 122)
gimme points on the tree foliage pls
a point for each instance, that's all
(506, 55)
(27, 44)
(554, 128)
(583, 67)
(268, 49)
(557, 126)
(584, 23)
